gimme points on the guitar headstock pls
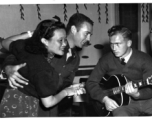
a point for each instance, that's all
(149, 80)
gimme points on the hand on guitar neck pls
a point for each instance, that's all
(130, 90)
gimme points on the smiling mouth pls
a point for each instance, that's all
(62, 49)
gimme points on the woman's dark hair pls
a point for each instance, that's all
(45, 29)
(119, 29)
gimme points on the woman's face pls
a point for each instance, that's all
(58, 42)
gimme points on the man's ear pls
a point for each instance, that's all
(73, 29)
(129, 43)
(44, 41)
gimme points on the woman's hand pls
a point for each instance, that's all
(79, 88)
(70, 91)
(76, 89)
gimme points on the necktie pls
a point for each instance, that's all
(122, 60)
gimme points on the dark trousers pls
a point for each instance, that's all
(135, 108)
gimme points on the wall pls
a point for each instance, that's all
(144, 28)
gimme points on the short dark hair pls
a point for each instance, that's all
(77, 20)
(120, 29)
(45, 29)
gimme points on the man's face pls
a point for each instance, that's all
(119, 45)
(83, 34)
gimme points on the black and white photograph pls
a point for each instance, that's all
(75, 59)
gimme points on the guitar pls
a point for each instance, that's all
(115, 89)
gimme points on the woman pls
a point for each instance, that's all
(48, 39)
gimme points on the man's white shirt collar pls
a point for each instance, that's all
(69, 54)
(127, 57)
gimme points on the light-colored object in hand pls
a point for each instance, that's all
(79, 98)
(29, 33)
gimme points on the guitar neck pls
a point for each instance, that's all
(140, 84)
(120, 89)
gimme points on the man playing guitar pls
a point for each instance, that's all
(137, 66)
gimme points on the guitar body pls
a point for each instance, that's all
(121, 99)
(116, 81)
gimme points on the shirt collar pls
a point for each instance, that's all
(71, 52)
(127, 57)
